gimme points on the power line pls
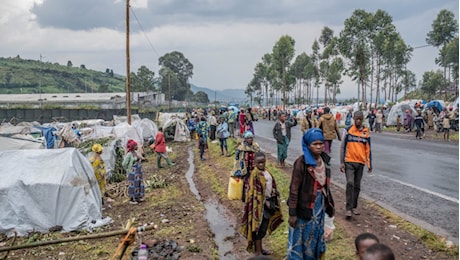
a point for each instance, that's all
(421, 46)
(140, 25)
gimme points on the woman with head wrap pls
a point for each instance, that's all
(244, 158)
(99, 168)
(132, 165)
(309, 199)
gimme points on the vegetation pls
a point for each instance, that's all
(369, 50)
(19, 76)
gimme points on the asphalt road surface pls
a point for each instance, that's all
(416, 179)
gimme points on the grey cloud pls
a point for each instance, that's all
(88, 14)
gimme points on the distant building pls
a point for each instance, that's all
(75, 100)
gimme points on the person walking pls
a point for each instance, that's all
(191, 126)
(249, 117)
(446, 126)
(378, 121)
(282, 135)
(242, 122)
(231, 117)
(310, 199)
(348, 118)
(160, 149)
(202, 129)
(212, 121)
(355, 152)
(223, 134)
(419, 124)
(308, 121)
(261, 212)
(99, 168)
(330, 129)
(371, 119)
(132, 165)
(430, 117)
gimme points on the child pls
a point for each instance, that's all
(379, 251)
(261, 213)
(363, 241)
(446, 126)
(202, 145)
(398, 123)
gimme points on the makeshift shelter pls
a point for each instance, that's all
(46, 188)
(20, 142)
(400, 109)
(146, 128)
(175, 129)
(437, 106)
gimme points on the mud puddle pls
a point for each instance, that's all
(216, 215)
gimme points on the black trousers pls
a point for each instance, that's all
(354, 174)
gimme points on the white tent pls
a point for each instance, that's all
(146, 128)
(400, 109)
(19, 142)
(45, 188)
(181, 132)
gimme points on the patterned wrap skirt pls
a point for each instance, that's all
(136, 182)
(306, 240)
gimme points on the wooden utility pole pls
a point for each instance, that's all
(169, 90)
(128, 69)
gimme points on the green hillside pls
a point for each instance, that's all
(31, 76)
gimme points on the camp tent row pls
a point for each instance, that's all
(43, 188)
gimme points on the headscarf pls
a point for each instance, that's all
(131, 145)
(97, 148)
(248, 134)
(313, 134)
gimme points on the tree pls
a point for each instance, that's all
(69, 64)
(431, 82)
(354, 44)
(444, 29)
(175, 72)
(200, 97)
(283, 53)
(82, 66)
(315, 58)
(144, 80)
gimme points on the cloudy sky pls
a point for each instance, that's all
(223, 39)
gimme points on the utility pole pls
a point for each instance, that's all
(128, 69)
(169, 90)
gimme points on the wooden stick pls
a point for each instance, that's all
(70, 239)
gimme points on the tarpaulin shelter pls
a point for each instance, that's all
(400, 109)
(45, 188)
(174, 128)
(437, 106)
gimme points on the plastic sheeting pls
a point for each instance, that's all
(44, 188)
(181, 132)
(400, 109)
(19, 142)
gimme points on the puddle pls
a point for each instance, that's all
(216, 215)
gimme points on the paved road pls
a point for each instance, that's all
(416, 179)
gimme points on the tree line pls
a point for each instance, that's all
(369, 50)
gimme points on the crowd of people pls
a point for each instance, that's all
(310, 202)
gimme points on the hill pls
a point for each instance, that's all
(19, 76)
(226, 95)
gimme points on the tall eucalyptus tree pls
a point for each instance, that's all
(283, 53)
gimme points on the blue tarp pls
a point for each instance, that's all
(48, 133)
(435, 104)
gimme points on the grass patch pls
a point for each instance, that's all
(430, 240)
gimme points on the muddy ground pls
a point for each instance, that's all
(179, 216)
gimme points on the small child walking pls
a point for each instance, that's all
(446, 126)
(398, 123)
